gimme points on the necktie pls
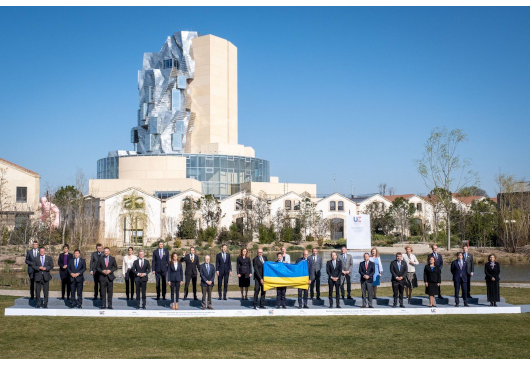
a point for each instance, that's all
(344, 257)
(465, 256)
(107, 261)
(460, 262)
(399, 266)
(333, 263)
(366, 265)
(160, 252)
(76, 263)
(191, 258)
(208, 268)
(261, 259)
(141, 263)
(314, 259)
(283, 259)
(42, 260)
(34, 253)
(224, 257)
(435, 256)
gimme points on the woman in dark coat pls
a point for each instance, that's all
(175, 279)
(244, 272)
(432, 275)
(492, 269)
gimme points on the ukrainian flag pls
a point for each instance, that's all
(278, 274)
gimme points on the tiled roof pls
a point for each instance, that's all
(467, 200)
(19, 167)
(394, 197)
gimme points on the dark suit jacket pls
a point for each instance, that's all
(334, 272)
(63, 273)
(492, 273)
(48, 265)
(94, 258)
(191, 267)
(224, 267)
(175, 275)
(457, 272)
(160, 265)
(309, 263)
(470, 264)
(434, 276)
(258, 268)
(394, 270)
(81, 267)
(370, 272)
(438, 262)
(136, 269)
(29, 260)
(112, 267)
(207, 276)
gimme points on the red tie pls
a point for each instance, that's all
(367, 266)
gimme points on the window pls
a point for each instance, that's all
(341, 206)
(249, 204)
(296, 205)
(418, 207)
(239, 204)
(22, 194)
(287, 205)
(209, 170)
(332, 205)
(170, 63)
(165, 194)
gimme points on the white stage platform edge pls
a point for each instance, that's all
(259, 313)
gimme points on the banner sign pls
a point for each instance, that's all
(358, 232)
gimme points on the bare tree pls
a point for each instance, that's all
(391, 191)
(261, 209)
(278, 220)
(210, 210)
(382, 189)
(443, 170)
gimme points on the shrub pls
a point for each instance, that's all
(309, 238)
(255, 247)
(294, 248)
(210, 242)
(266, 235)
(168, 238)
(223, 236)
(177, 243)
(341, 241)
(309, 247)
(287, 234)
(167, 247)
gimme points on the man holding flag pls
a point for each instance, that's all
(303, 293)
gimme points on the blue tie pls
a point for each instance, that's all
(399, 266)
(76, 263)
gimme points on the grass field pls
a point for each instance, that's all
(458, 336)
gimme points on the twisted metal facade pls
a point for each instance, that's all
(165, 118)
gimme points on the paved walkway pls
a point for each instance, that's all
(237, 294)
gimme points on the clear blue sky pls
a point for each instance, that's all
(348, 91)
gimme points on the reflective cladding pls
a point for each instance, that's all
(220, 174)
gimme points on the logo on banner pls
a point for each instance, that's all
(357, 219)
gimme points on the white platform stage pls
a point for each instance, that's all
(239, 308)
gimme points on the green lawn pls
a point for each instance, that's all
(458, 336)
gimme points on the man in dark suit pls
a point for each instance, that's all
(398, 271)
(316, 267)
(303, 293)
(75, 269)
(281, 290)
(334, 271)
(62, 262)
(459, 271)
(258, 279)
(94, 259)
(207, 272)
(42, 265)
(468, 259)
(106, 267)
(192, 265)
(347, 267)
(160, 268)
(140, 269)
(438, 261)
(223, 267)
(31, 255)
(367, 271)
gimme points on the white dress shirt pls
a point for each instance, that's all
(128, 263)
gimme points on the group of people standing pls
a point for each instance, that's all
(168, 271)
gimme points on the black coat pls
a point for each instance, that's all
(160, 265)
(394, 270)
(191, 267)
(258, 268)
(63, 272)
(457, 272)
(137, 269)
(207, 275)
(309, 265)
(370, 271)
(334, 272)
(434, 276)
(437, 261)
(81, 267)
(492, 273)
(243, 266)
(94, 258)
(29, 260)
(100, 266)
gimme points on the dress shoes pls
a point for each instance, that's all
(363, 306)
(349, 297)
(469, 296)
(457, 305)
(45, 306)
(72, 306)
(277, 307)
(338, 306)
(80, 306)
(102, 307)
(143, 307)
(137, 307)
(318, 298)
(203, 308)
(331, 305)
(195, 298)
(401, 306)
(370, 306)
(494, 304)
(210, 307)
(465, 304)
(224, 298)
(220, 298)
(394, 305)
(157, 298)
(110, 307)
(31, 298)
(440, 297)
(306, 307)
(261, 307)
(284, 307)
(255, 307)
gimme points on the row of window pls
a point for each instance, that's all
(333, 206)
(170, 63)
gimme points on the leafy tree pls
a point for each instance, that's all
(483, 223)
(472, 191)
(381, 220)
(402, 212)
(66, 198)
(443, 170)
(210, 210)
(187, 228)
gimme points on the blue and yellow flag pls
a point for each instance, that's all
(278, 274)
